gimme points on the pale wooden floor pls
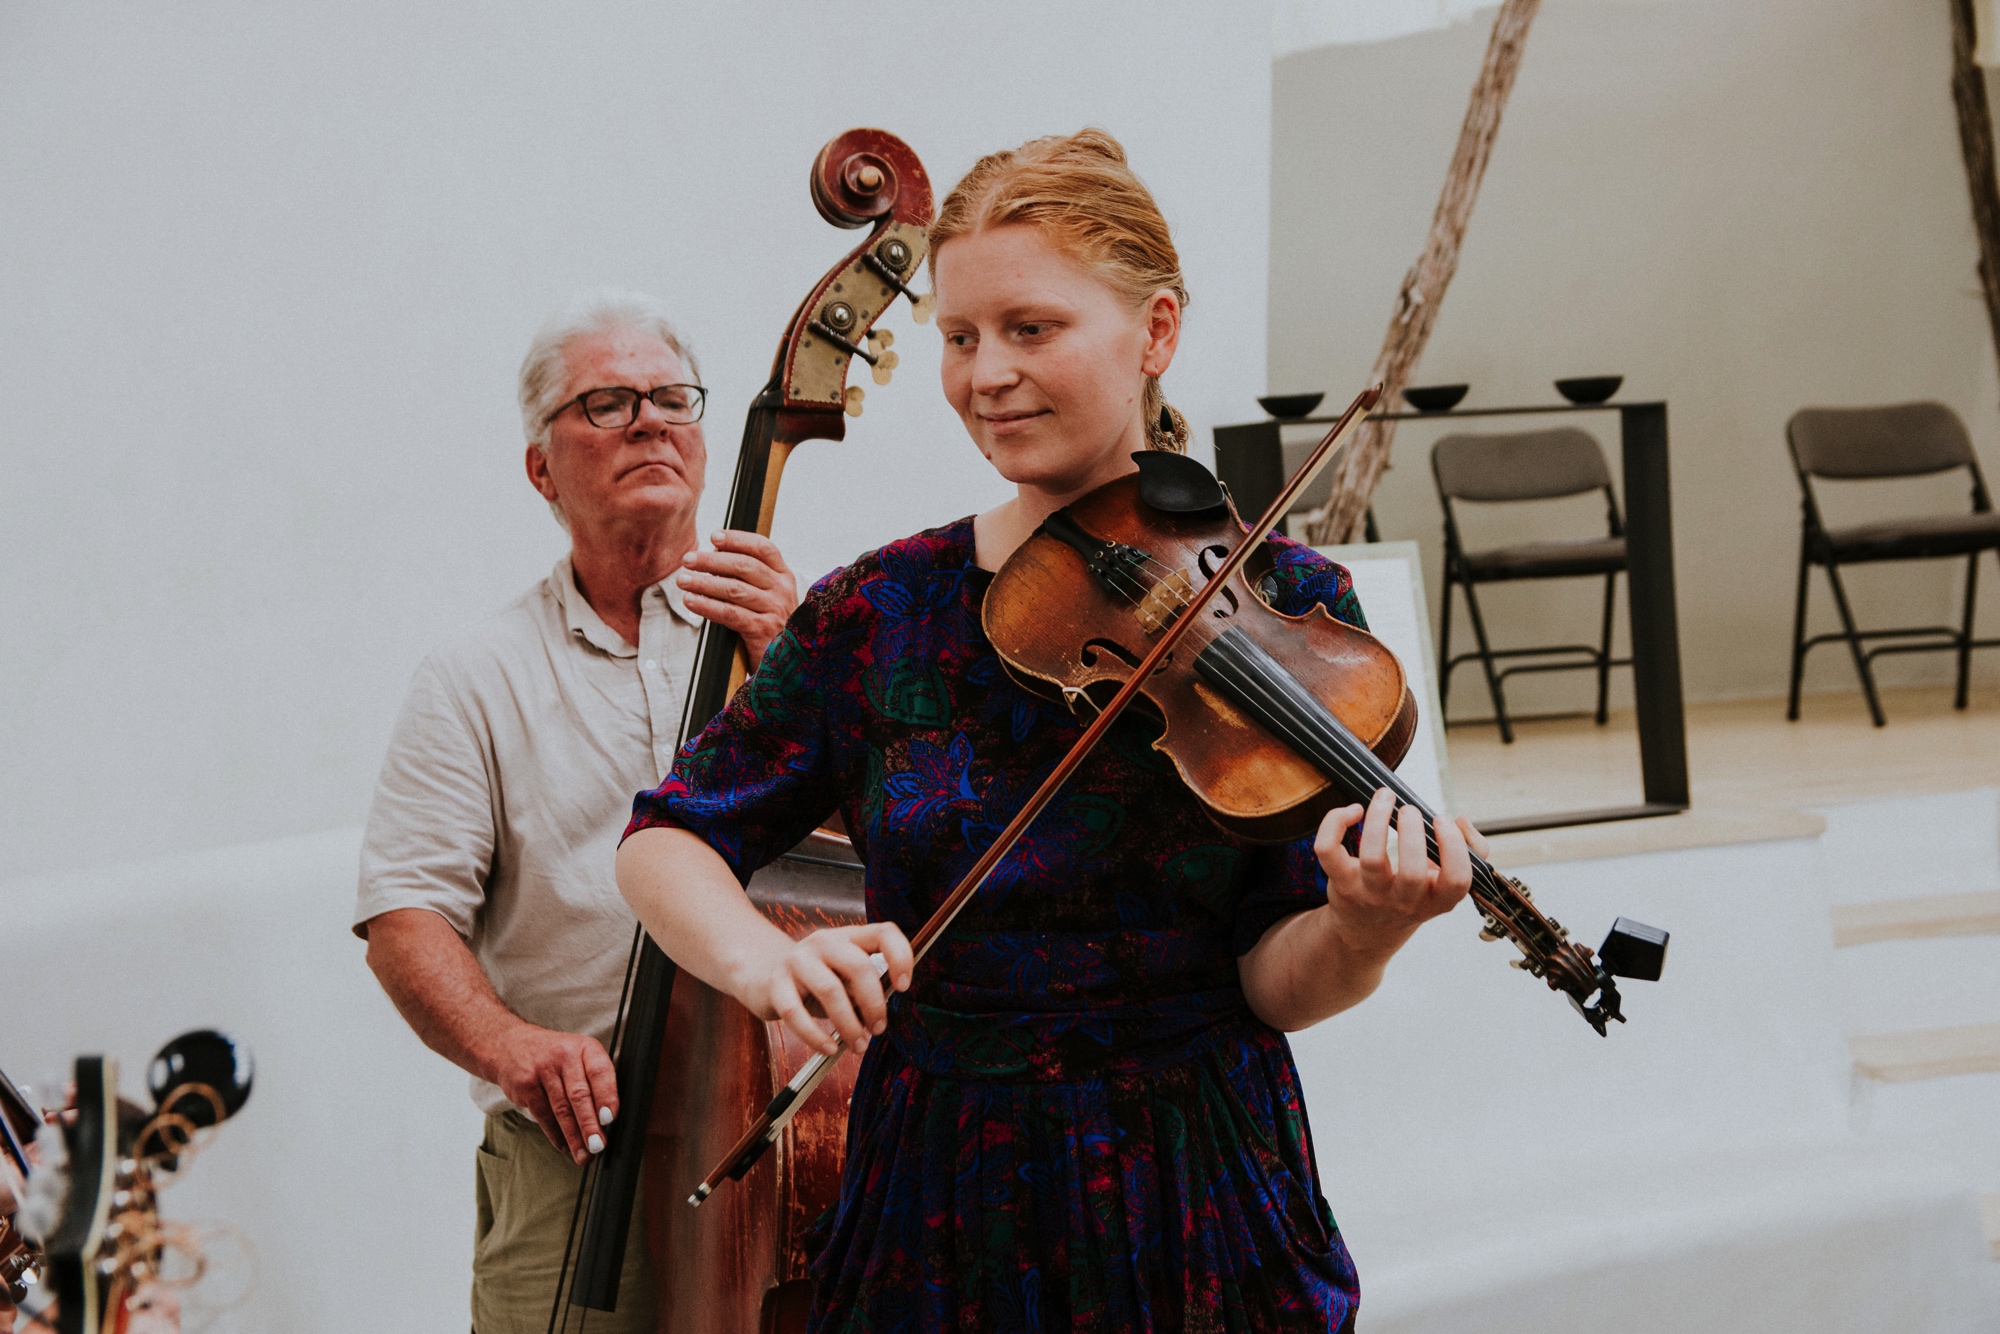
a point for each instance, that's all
(1754, 775)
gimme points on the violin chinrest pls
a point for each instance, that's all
(1176, 484)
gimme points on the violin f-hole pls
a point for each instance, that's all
(1088, 654)
(1205, 561)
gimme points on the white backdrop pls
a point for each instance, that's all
(266, 273)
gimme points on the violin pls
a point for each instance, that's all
(1264, 715)
(689, 1059)
(1271, 720)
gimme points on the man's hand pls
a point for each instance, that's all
(743, 585)
(565, 1082)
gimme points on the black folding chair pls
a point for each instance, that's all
(1528, 465)
(1871, 444)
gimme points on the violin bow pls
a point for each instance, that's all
(770, 1123)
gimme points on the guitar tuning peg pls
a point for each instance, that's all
(921, 308)
(884, 364)
(852, 400)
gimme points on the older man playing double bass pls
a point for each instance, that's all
(487, 897)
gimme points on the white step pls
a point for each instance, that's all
(1916, 918)
(1928, 1053)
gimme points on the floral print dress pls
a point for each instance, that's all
(1074, 1121)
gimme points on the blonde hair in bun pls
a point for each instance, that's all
(1083, 195)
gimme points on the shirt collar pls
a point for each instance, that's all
(584, 623)
(676, 600)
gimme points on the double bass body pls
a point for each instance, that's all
(741, 1263)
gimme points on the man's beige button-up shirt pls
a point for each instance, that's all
(509, 778)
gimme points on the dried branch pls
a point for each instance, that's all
(1975, 141)
(1362, 464)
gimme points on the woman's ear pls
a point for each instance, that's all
(1162, 316)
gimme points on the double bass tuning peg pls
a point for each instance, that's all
(892, 261)
(885, 361)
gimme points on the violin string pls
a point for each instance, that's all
(1367, 773)
(1358, 775)
(1361, 770)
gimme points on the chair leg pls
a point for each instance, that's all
(1854, 645)
(1444, 652)
(1486, 661)
(1965, 629)
(1604, 651)
(1798, 637)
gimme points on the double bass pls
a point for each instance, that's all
(692, 1064)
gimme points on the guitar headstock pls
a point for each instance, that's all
(862, 178)
(92, 1198)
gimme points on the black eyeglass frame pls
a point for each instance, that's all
(700, 404)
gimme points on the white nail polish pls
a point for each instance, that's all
(595, 1144)
(604, 1116)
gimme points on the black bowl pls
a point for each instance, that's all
(1435, 397)
(1585, 389)
(1290, 405)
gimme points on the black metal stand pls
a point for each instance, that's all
(1250, 461)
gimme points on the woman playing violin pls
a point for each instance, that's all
(1080, 1113)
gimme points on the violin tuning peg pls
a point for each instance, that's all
(921, 308)
(852, 400)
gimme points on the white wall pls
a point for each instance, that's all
(266, 273)
(1744, 206)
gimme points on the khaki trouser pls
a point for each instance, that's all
(527, 1195)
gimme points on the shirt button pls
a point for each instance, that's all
(652, 664)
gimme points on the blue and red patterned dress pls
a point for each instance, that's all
(1074, 1121)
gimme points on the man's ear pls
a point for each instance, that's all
(537, 463)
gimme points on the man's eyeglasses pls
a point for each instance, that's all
(615, 407)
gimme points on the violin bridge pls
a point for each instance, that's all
(1156, 611)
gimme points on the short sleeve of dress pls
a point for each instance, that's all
(760, 776)
(1286, 878)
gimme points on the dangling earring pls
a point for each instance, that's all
(1170, 432)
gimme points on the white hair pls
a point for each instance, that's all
(545, 372)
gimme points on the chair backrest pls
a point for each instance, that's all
(1903, 440)
(1526, 465)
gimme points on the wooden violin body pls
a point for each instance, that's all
(1076, 633)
